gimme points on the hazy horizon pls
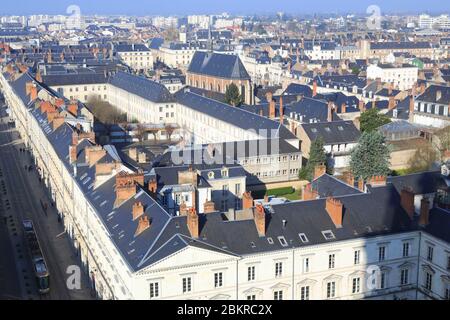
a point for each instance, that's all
(247, 7)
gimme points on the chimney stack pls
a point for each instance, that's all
(344, 108)
(209, 207)
(330, 111)
(126, 186)
(138, 210)
(94, 154)
(247, 200)
(193, 223)
(349, 178)
(314, 93)
(281, 110)
(144, 224)
(72, 153)
(320, 170)
(361, 185)
(153, 186)
(362, 106)
(392, 103)
(424, 219)
(407, 201)
(335, 210)
(309, 193)
(260, 220)
(58, 121)
(377, 181)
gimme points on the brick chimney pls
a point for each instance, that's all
(424, 219)
(281, 110)
(72, 153)
(330, 111)
(51, 114)
(272, 110)
(126, 186)
(31, 90)
(193, 223)
(349, 179)
(392, 103)
(183, 209)
(407, 201)
(209, 207)
(269, 96)
(78, 136)
(361, 185)
(335, 210)
(314, 93)
(344, 108)
(144, 224)
(138, 210)
(152, 186)
(73, 109)
(188, 177)
(411, 107)
(260, 220)
(377, 181)
(94, 154)
(59, 102)
(58, 121)
(247, 200)
(309, 193)
(362, 106)
(319, 171)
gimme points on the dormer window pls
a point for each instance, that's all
(224, 173)
(211, 175)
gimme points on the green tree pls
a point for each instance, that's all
(371, 157)
(372, 119)
(444, 138)
(232, 95)
(317, 156)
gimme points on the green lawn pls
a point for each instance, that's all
(288, 193)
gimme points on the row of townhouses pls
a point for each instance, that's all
(387, 239)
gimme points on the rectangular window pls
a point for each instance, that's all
(305, 265)
(331, 290)
(447, 293)
(154, 290)
(381, 253)
(237, 189)
(331, 261)
(278, 295)
(405, 249)
(404, 277)
(187, 285)
(428, 281)
(356, 286)
(251, 297)
(251, 273)
(304, 293)
(430, 254)
(357, 257)
(278, 269)
(218, 280)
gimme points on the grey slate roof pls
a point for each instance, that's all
(142, 87)
(232, 115)
(336, 132)
(218, 65)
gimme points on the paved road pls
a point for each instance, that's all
(23, 196)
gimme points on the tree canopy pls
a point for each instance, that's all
(371, 157)
(372, 119)
(317, 156)
(232, 95)
(424, 158)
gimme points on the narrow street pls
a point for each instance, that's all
(21, 196)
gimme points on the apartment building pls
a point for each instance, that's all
(402, 77)
(136, 56)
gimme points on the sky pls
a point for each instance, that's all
(184, 7)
